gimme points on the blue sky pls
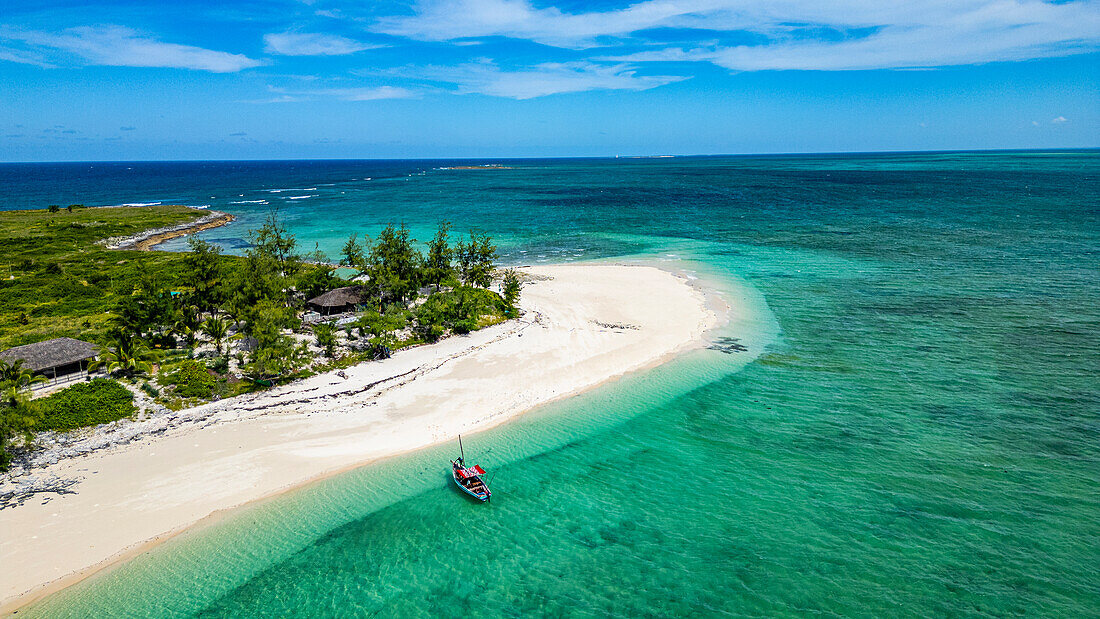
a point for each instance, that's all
(272, 79)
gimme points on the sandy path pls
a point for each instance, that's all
(584, 325)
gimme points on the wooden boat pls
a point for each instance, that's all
(469, 479)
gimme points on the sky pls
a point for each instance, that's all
(288, 79)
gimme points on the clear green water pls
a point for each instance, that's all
(914, 429)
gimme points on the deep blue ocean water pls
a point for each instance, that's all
(914, 429)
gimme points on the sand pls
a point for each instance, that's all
(149, 239)
(583, 325)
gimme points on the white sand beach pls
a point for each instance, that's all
(583, 325)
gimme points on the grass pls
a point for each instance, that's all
(55, 280)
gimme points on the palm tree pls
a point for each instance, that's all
(216, 329)
(12, 395)
(18, 415)
(187, 325)
(16, 376)
(128, 356)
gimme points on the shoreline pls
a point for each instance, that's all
(706, 311)
(149, 239)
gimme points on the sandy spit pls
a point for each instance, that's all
(149, 239)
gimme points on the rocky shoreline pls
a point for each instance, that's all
(151, 238)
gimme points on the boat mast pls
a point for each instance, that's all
(460, 450)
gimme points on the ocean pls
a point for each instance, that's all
(904, 422)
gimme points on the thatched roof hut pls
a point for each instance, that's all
(339, 300)
(53, 353)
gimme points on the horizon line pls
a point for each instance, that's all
(578, 157)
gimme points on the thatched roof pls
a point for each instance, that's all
(349, 295)
(51, 353)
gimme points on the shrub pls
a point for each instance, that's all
(430, 332)
(465, 326)
(220, 364)
(326, 337)
(86, 404)
(192, 380)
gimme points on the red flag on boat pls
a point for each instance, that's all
(473, 471)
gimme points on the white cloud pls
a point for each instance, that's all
(444, 20)
(344, 94)
(22, 56)
(542, 79)
(1059, 120)
(311, 44)
(902, 35)
(123, 47)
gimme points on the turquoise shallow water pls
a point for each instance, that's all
(914, 428)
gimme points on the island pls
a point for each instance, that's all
(220, 380)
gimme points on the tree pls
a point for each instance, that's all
(128, 355)
(187, 325)
(275, 353)
(204, 274)
(326, 338)
(266, 272)
(352, 254)
(437, 266)
(510, 288)
(273, 256)
(394, 265)
(255, 280)
(216, 329)
(476, 260)
(317, 279)
(15, 374)
(18, 417)
(149, 308)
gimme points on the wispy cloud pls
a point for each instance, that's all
(543, 79)
(797, 34)
(312, 44)
(124, 47)
(1059, 120)
(374, 93)
(22, 56)
(445, 20)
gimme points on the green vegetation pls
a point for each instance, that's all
(19, 417)
(86, 404)
(55, 280)
(192, 380)
(128, 355)
(476, 259)
(205, 274)
(217, 330)
(326, 338)
(156, 314)
(510, 288)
